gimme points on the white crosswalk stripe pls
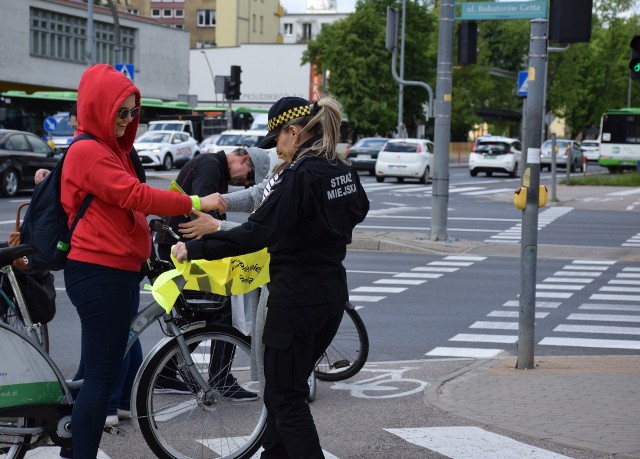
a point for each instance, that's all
(546, 217)
(471, 442)
(602, 310)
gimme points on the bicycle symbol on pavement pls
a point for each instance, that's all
(389, 383)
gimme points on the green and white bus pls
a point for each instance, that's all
(620, 139)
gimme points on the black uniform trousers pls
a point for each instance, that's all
(294, 339)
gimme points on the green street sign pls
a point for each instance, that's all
(477, 11)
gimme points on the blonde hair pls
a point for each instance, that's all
(324, 121)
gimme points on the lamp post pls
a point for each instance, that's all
(213, 80)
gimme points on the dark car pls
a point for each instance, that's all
(21, 155)
(364, 153)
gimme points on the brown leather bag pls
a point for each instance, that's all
(14, 236)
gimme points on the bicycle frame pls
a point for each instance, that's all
(20, 305)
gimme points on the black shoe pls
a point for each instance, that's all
(170, 386)
(231, 390)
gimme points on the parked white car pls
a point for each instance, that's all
(405, 158)
(591, 150)
(495, 154)
(164, 149)
(236, 138)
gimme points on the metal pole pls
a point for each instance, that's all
(213, 79)
(633, 33)
(442, 124)
(90, 52)
(553, 167)
(531, 179)
(400, 129)
(117, 48)
(229, 114)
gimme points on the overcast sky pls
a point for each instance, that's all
(298, 6)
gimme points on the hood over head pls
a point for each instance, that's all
(101, 92)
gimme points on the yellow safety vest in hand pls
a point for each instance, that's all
(228, 276)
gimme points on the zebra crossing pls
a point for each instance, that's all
(616, 302)
(426, 190)
(546, 217)
(400, 282)
(633, 241)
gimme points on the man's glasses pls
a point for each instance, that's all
(123, 113)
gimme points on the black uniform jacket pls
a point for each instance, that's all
(306, 220)
(201, 176)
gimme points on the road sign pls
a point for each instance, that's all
(126, 70)
(50, 124)
(474, 11)
(523, 85)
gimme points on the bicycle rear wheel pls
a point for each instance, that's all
(348, 352)
(187, 425)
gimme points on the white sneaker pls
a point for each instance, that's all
(124, 414)
(111, 420)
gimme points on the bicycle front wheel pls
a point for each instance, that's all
(192, 424)
(14, 446)
(348, 352)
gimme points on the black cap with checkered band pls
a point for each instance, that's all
(280, 113)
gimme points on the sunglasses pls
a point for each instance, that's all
(123, 113)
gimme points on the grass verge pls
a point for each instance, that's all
(624, 179)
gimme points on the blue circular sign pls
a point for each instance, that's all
(50, 124)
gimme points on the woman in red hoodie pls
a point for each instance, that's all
(111, 241)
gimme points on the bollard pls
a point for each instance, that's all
(584, 166)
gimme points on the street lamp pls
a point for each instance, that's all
(213, 79)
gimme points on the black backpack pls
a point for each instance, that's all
(45, 223)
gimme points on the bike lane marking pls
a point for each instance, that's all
(465, 442)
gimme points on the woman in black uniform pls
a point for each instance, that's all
(306, 218)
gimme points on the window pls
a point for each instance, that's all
(178, 13)
(17, 142)
(132, 11)
(306, 31)
(261, 24)
(288, 28)
(167, 13)
(155, 12)
(253, 23)
(62, 37)
(206, 18)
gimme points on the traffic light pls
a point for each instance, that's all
(233, 91)
(634, 63)
(467, 43)
(570, 21)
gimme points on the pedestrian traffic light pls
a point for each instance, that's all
(634, 63)
(234, 83)
(467, 43)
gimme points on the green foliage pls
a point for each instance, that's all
(353, 53)
(583, 81)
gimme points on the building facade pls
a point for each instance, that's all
(49, 49)
(215, 23)
(304, 27)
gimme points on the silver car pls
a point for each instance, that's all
(564, 148)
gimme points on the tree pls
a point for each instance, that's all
(353, 54)
(590, 78)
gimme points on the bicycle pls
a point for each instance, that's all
(197, 424)
(13, 308)
(347, 353)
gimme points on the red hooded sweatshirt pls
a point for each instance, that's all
(114, 230)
